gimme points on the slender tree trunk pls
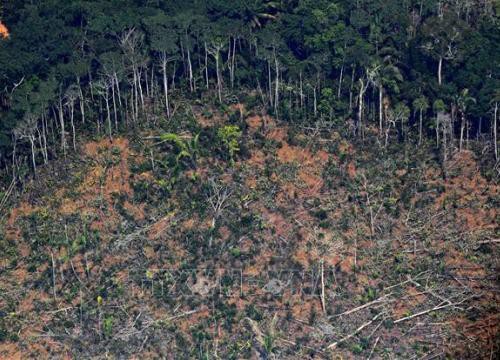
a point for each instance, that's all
(114, 104)
(40, 142)
(339, 89)
(219, 91)
(206, 65)
(72, 122)
(43, 146)
(440, 69)
(152, 86)
(462, 128)
(420, 128)
(14, 148)
(276, 94)
(495, 130)
(437, 130)
(351, 88)
(315, 103)
(301, 91)
(190, 68)
(90, 85)
(467, 133)
(232, 63)
(380, 108)
(108, 117)
(362, 90)
(139, 78)
(147, 83)
(81, 100)
(445, 130)
(269, 83)
(173, 76)
(135, 98)
(32, 142)
(118, 91)
(165, 83)
(61, 119)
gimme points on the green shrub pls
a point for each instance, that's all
(229, 136)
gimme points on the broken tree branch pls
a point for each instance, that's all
(345, 338)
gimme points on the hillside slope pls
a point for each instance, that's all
(232, 235)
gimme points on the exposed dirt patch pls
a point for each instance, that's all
(107, 179)
(257, 122)
(278, 134)
(468, 192)
(351, 170)
(11, 351)
(137, 211)
(12, 230)
(257, 159)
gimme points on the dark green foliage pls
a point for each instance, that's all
(102, 61)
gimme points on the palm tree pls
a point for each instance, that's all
(384, 75)
(420, 104)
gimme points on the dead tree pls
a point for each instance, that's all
(217, 196)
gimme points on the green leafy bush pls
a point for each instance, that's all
(229, 136)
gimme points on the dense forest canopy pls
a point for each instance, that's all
(413, 69)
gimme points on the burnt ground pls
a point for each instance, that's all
(307, 244)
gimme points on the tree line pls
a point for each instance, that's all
(419, 69)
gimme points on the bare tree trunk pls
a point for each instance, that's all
(495, 130)
(351, 88)
(206, 65)
(269, 83)
(32, 142)
(72, 122)
(467, 133)
(152, 86)
(61, 119)
(81, 101)
(40, 142)
(135, 97)
(380, 108)
(276, 94)
(173, 76)
(440, 69)
(219, 85)
(165, 83)
(445, 130)
(118, 91)
(361, 95)
(43, 145)
(301, 91)
(315, 105)
(420, 128)
(191, 87)
(114, 104)
(108, 111)
(91, 86)
(139, 76)
(232, 64)
(339, 89)
(146, 82)
(437, 130)
(14, 148)
(462, 128)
